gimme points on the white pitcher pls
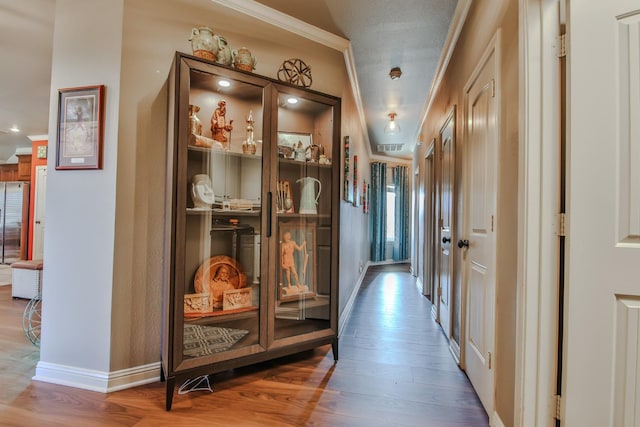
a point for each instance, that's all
(308, 196)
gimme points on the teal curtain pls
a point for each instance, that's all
(378, 209)
(401, 183)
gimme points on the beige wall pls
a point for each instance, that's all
(109, 294)
(153, 31)
(484, 19)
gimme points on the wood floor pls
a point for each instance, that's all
(394, 370)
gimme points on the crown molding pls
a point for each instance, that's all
(459, 18)
(271, 16)
(38, 137)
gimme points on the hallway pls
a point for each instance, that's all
(394, 370)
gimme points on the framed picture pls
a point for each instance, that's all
(356, 184)
(347, 193)
(297, 264)
(80, 128)
(293, 145)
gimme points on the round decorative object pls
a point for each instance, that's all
(216, 275)
(296, 72)
(32, 320)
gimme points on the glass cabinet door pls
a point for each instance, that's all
(303, 200)
(221, 256)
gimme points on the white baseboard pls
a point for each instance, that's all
(419, 285)
(344, 316)
(495, 420)
(104, 382)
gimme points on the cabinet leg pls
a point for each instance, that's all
(171, 384)
(162, 377)
(334, 349)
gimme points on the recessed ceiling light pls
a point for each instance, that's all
(14, 129)
(292, 100)
(224, 83)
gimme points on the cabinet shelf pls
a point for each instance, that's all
(221, 316)
(218, 152)
(237, 258)
(302, 216)
(303, 164)
(222, 212)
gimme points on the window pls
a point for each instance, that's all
(391, 213)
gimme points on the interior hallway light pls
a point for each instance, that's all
(392, 126)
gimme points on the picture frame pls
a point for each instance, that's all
(356, 184)
(293, 145)
(297, 261)
(347, 193)
(80, 128)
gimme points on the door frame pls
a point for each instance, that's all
(449, 121)
(537, 213)
(429, 208)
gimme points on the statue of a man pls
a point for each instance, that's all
(219, 127)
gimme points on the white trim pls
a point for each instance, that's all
(457, 22)
(537, 207)
(496, 421)
(346, 313)
(104, 382)
(38, 137)
(288, 23)
(419, 285)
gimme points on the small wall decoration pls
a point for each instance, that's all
(346, 192)
(356, 188)
(296, 72)
(297, 267)
(80, 128)
(365, 197)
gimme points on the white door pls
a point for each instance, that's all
(601, 384)
(38, 212)
(447, 171)
(480, 222)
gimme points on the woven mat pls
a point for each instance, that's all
(202, 340)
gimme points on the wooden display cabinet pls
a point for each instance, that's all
(251, 221)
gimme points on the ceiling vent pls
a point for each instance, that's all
(390, 147)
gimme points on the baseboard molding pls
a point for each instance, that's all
(419, 285)
(344, 316)
(104, 382)
(388, 261)
(496, 421)
(454, 348)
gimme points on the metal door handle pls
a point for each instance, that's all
(446, 239)
(463, 244)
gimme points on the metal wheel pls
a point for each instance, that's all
(32, 319)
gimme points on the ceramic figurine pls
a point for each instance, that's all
(219, 126)
(243, 60)
(203, 43)
(223, 55)
(249, 146)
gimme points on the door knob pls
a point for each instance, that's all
(463, 244)
(446, 239)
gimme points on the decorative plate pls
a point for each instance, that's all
(216, 275)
